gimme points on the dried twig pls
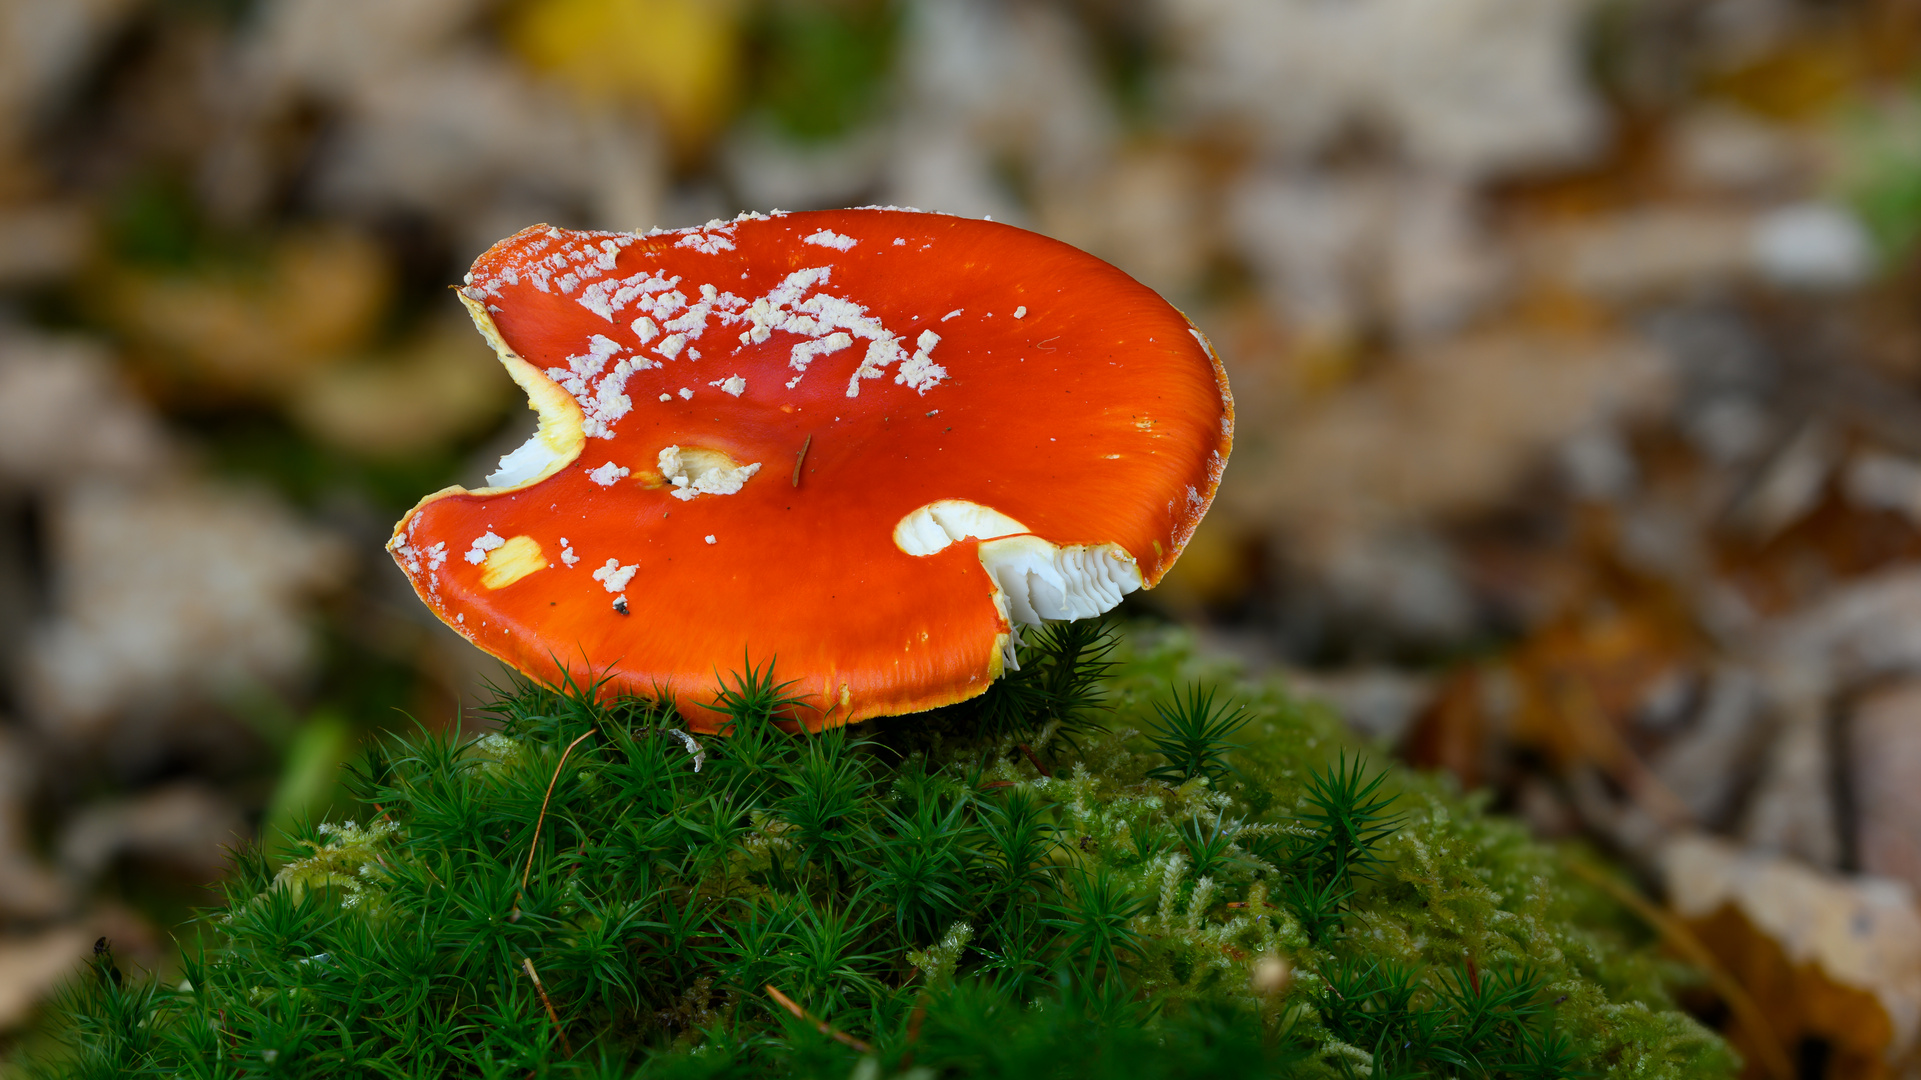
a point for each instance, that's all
(914, 1021)
(1676, 933)
(528, 963)
(542, 820)
(1038, 767)
(820, 1025)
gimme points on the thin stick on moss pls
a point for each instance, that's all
(914, 1021)
(1773, 1058)
(1038, 767)
(528, 963)
(820, 1025)
(540, 821)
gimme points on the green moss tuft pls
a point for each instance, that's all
(1074, 876)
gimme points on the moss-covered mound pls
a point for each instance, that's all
(1094, 870)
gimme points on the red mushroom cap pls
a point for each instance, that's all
(861, 443)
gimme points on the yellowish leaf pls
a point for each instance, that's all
(681, 57)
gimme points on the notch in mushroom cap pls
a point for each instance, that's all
(864, 443)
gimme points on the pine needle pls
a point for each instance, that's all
(528, 963)
(820, 1025)
(542, 820)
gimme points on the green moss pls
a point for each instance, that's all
(967, 893)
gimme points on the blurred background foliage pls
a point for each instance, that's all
(1575, 343)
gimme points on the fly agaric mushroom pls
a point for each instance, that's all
(866, 443)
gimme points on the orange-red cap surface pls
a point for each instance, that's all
(862, 444)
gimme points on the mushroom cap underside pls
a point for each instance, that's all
(857, 444)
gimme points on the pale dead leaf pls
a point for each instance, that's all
(31, 967)
(1849, 966)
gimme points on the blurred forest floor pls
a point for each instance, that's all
(1576, 347)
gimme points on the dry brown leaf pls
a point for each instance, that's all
(1456, 731)
(1445, 433)
(1573, 689)
(417, 399)
(1823, 957)
(31, 967)
(1832, 541)
(257, 333)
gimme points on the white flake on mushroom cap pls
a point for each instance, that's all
(695, 471)
(734, 385)
(603, 298)
(607, 474)
(919, 372)
(615, 576)
(830, 239)
(805, 352)
(830, 323)
(602, 402)
(435, 556)
(584, 256)
(1033, 579)
(482, 545)
(714, 238)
